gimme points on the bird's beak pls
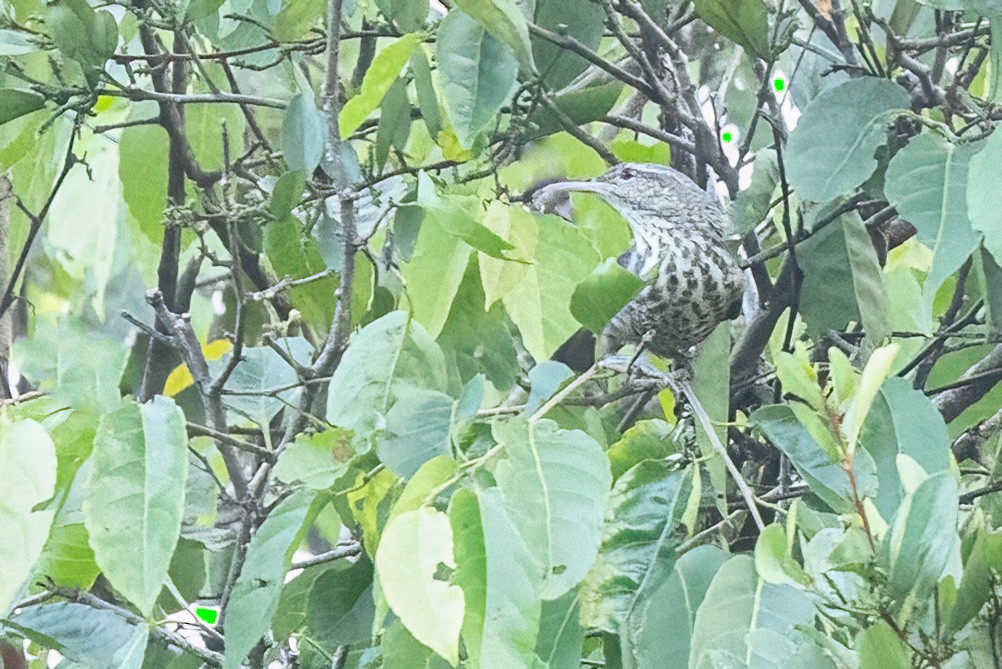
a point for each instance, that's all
(553, 198)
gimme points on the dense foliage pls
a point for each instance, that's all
(279, 322)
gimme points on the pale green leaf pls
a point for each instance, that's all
(414, 550)
(383, 71)
(555, 485)
(540, 303)
(927, 183)
(27, 479)
(982, 195)
(135, 496)
(745, 622)
(384, 357)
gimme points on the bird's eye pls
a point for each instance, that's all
(628, 173)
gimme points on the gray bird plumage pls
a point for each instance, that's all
(693, 282)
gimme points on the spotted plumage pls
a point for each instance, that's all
(693, 281)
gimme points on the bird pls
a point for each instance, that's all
(692, 281)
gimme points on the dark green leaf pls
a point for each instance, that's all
(255, 594)
(15, 102)
(600, 297)
(339, 606)
(672, 605)
(584, 22)
(745, 22)
(296, 17)
(639, 538)
(409, 15)
(302, 133)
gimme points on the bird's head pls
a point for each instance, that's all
(648, 196)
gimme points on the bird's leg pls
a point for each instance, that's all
(681, 367)
(644, 341)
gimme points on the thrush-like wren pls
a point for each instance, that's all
(693, 281)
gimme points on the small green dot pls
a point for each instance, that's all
(208, 615)
(726, 136)
(779, 84)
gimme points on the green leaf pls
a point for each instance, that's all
(880, 646)
(638, 540)
(142, 166)
(745, 622)
(585, 105)
(256, 592)
(14, 43)
(831, 151)
(16, 102)
(263, 381)
(82, 34)
(303, 133)
(385, 69)
(385, 356)
(584, 22)
(92, 637)
(927, 183)
(773, 561)
(418, 426)
(540, 303)
(752, 205)
(135, 496)
(514, 586)
(480, 340)
(976, 586)
(504, 20)
(339, 607)
(477, 74)
(471, 569)
(561, 635)
(409, 15)
(200, 9)
(555, 484)
(982, 195)
(205, 126)
(600, 297)
(424, 86)
(293, 253)
(315, 460)
(296, 18)
(394, 122)
(920, 543)
(518, 227)
(414, 550)
(435, 273)
(27, 479)
(878, 367)
(744, 22)
(67, 558)
(80, 368)
(843, 280)
(286, 194)
(647, 440)
(785, 428)
(672, 606)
